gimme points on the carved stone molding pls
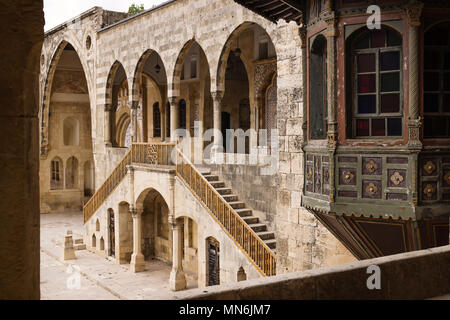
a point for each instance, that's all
(414, 11)
(414, 134)
(217, 96)
(263, 76)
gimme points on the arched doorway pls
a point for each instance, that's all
(156, 232)
(67, 133)
(111, 233)
(213, 261)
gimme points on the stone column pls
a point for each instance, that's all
(217, 107)
(177, 280)
(108, 125)
(414, 12)
(137, 258)
(174, 117)
(134, 120)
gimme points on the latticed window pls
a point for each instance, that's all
(55, 174)
(377, 84)
(156, 120)
(318, 102)
(436, 84)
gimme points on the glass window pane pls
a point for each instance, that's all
(367, 104)
(363, 42)
(394, 127)
(428, 126)
(432, 60)
(431, 102)
(378, 127)
(440, 126)
(390, 82)
(390, 61)
(378, 38)
(446, 103)
(366, 63)
(362, 127)
(446, 81)
(390, 103)
(366, 83)
(394, 39)
(431, 81)
(447, 61)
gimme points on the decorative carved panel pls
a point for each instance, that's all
(371, 189)
(347, 176)
(372, 166)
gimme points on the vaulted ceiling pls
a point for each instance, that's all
(289, 10)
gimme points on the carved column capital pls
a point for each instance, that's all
(173, 100)
(135, 213)
(134, 105)
(414, 126)
(217, 96)
(414, 11)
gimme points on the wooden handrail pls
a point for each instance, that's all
(253, 246)
(139, 153)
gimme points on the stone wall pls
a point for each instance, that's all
(22, 29)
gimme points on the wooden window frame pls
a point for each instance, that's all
(377, 115)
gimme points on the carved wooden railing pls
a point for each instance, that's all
(259, 253)
(139, 153)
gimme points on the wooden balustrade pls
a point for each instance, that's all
(261, 255)
(139, 153)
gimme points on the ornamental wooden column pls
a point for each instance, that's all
(108, 125)
(332, 32)
(174, 118)
(137, 258)
(414, 12)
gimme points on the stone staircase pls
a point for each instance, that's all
(261, 230)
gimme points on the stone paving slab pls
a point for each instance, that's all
(104, 277)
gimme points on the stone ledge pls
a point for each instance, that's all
(414, 275)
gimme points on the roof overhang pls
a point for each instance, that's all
(273, 10)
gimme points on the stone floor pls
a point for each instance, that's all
(91, 276)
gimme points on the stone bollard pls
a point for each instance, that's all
(69, 251)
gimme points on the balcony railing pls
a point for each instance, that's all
(139, 153)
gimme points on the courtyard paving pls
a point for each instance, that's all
(90, 276)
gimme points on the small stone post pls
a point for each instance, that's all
(69, 251)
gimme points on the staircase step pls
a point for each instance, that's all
(272, 243)
(237, 204)
(230, 197)
(266, 235)
(78, 241)
(205, 172)
(223, 191)
(211, 177)
(258, 227)
(251, 219)
(217, 184)
(244, 212)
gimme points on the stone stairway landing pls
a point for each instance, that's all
(261, 230)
